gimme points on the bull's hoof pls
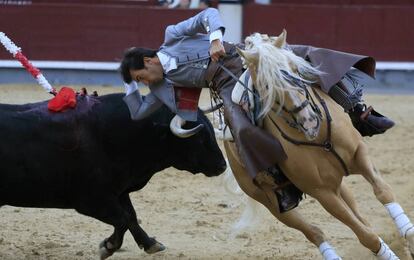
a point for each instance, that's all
(157, 247)
(102, 244)
(104, 251)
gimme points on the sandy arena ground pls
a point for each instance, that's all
(193, 215)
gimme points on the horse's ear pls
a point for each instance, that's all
(281, 39)
(249, 57)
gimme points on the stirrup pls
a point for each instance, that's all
(287, 194)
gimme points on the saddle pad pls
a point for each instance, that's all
(243, 97)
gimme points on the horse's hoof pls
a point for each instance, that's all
(157, 247)
(410, 239)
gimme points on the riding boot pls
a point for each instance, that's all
(288, 195)
(366, 120)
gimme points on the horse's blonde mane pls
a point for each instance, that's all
(270, 82)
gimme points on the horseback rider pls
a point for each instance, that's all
(188, 60)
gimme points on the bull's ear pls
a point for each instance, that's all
(280, 42)
(248, 56)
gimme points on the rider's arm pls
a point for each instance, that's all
(205, 22)
(140, 107)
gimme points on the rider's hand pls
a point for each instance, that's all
(131, 87)
(216, 50)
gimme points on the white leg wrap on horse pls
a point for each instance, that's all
(385, 253)
(401, 220)
(328, 252)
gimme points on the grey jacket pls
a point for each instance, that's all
(188, 42)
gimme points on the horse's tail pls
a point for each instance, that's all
(251, 213)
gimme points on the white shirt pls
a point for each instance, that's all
(169, 63)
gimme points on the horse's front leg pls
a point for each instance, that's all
(263, 195)
(294, 219)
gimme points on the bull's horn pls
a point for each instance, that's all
(212, 109)
(249, 56)
(176, 128)
(281, 39)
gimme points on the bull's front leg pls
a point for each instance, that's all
(108, 210)
(112, 211)
(149, 244)
(113, 243)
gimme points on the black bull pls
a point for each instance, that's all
(90, 159)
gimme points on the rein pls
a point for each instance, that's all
(327, 144)
(220, 64)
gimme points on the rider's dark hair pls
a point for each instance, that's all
(134, 59)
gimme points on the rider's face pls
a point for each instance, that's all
(151, 73)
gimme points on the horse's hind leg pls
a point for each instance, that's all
(385, 195)
(364, 166)
(337, 207)
(349, 199)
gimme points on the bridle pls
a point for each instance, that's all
(327, 145)
(309, 101)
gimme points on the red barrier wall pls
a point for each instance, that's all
(384, 32)
(346, 2)
(96, 2)
(85, 32)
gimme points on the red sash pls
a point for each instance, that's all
(187, 98)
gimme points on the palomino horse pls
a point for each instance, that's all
(283, 81)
